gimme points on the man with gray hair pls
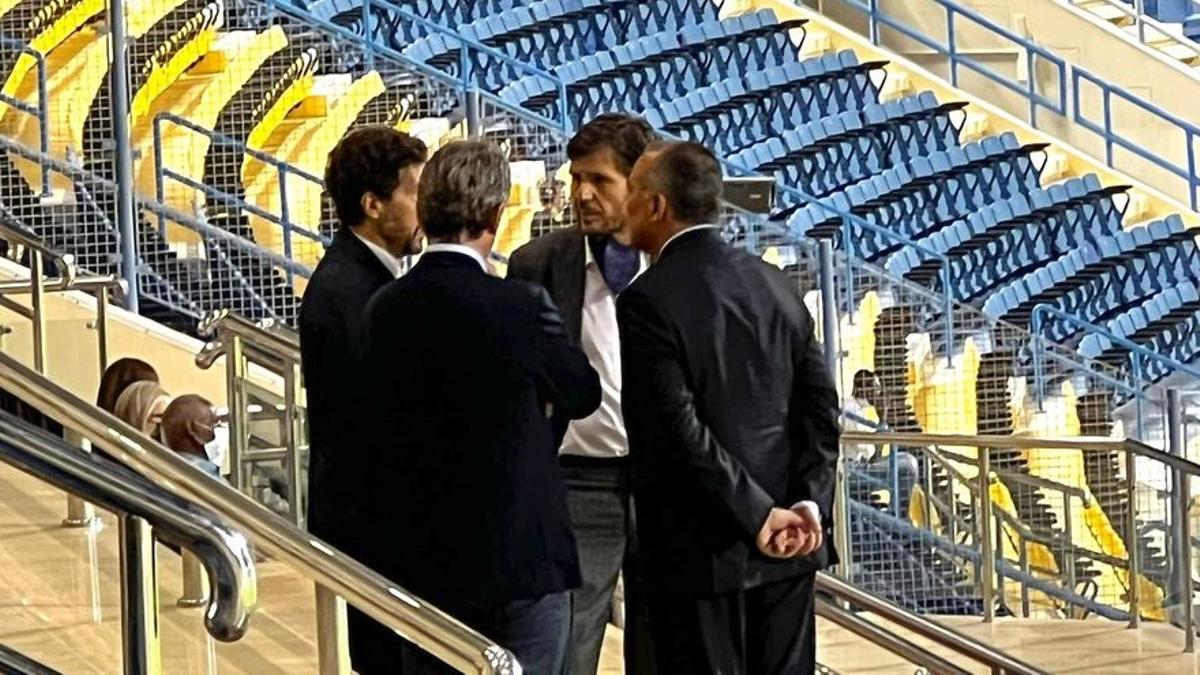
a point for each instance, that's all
(466, 370)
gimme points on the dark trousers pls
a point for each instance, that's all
(766, 630)
(598, 497)
(536, 631)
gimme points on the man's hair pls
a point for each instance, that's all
(689, 176)
(368, 159)
(461, 187)
(627, 136)
(119, 375)
(863, 379)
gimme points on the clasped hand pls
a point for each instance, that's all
(788, 533)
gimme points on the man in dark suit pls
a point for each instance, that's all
(585, 270)
(468, 369)
(371, 177)
(733, 432)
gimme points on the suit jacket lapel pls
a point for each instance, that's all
(568, 278)
(363, 256)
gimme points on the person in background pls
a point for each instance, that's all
(142, 405)
(119, 375)
(193, 429)
(733, 431)
(870, 469)
(466, 370)
(371, 177)
(552, 216)
(584, 270)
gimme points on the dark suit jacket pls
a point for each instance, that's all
(730, 411)
(555, 261)
(332, 322)
(467, 471)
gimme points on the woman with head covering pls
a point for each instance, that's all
(118, 376)
(142, 405)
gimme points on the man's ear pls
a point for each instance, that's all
(370, 205)
(494, 225)
(196, 431)
(659, 207)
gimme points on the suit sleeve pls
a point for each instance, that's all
(814, 422)
(567, 378)
(522, 265)
(654, 384)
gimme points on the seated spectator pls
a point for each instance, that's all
(192, 428)
(119, 375)
(553, 214)
(142, 405)
(869, 469)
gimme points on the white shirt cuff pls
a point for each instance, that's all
(811, 506)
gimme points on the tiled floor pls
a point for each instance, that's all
(59, 603)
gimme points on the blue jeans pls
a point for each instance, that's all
(537, 631)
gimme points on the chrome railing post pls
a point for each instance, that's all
(841, 523)
(986, 550)
(79, 512)
(1069, 552)
(195, 582)
(333, 642)
(37, 298)
(1139, 8)
(235, 372)
(140, 647)
(291, 433)
(1181, 535)
(1135, 567)
(829, 320)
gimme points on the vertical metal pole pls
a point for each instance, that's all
(841, 523)
(37, 300)
(1068, 534)
(1139, 7)
(1135, 566)
(119, 93)
(235, 371)
(1023, 556)
(291, 386)
(928, 485)
(195, 582)
(829, 303)
(873, 21)
(952, 503)
(43, 118)
(333, 644)
(1181, 534)
(79, 512)
(987, 552)
(140, 647)
(102, 328)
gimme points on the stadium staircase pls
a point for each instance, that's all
(996, 281)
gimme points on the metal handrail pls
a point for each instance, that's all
(224, 550)
(886, 639)
(281, 345)
(421, 623)
(985, 654)
(1142, 21)
(12, 661)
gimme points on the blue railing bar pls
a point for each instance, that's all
(367, 43)
(1035, 321)
(898, 527)
(41, 110)
(164, 211)
(1059, 107)
(1135, 100)
(245, 206)
(230, 140)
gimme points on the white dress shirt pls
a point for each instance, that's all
(601, 434)
(389, 261)
(461, 250)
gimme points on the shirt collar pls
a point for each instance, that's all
(682, 232)
(389, 261)
(461, 250)
(589, 260)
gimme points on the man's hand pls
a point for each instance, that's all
(811, 529)
(783, 535)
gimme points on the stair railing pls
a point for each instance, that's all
(142, 505)
(1166, 473)
(1150, 31)
(434, 631)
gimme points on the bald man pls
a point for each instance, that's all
(192, 428)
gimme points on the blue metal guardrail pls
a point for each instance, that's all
(1136, 355)
(41, 109)
(1070, 77)
(464, 79)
